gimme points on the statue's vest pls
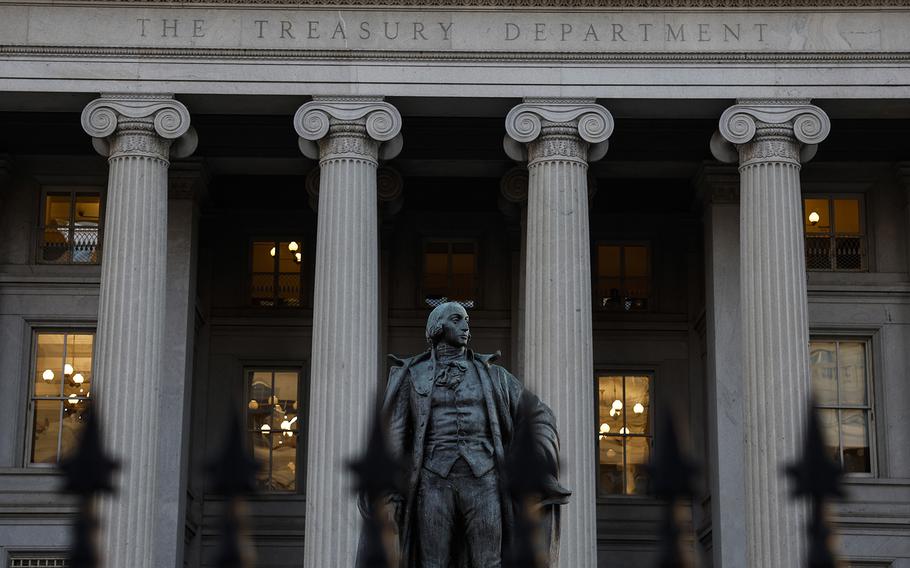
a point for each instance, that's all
(458, 426)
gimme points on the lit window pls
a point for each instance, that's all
(841, 385)
(61, 384)
(449, 272)
(70, 231)
(273, 422)
(276, 274)
(624, 433)
(623, 277)
(835, 238)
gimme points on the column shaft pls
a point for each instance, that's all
(128, 351)
(558, 342)
(345, 345)
(344, 371)
(136, 134)
(776, 357)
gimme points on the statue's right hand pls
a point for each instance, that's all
(395, 510)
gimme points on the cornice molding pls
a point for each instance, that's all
(655, 4)
(232, 55)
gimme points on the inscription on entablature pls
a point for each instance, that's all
(591, 31)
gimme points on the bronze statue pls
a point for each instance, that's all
(452, 416)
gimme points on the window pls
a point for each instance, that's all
(61, 383)
(835, 237)
(624, 412)
(841, 383)
(274, 426)
(623, 277)
(449, 272)
(276, 275)
(70, 231)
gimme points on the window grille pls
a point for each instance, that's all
(36, 561)
(835, 235)
(70, 229)
(623, 281)
(276, 275)
(624, 433)
(841, 383)
(61, 382)
(449, 273)
(273, 425)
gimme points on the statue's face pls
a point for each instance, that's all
(455, 330)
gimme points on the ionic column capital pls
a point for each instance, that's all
(332, 127)
(770, 130)
(567, 128)
(155, 126)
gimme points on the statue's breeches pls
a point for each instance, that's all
(442, 500)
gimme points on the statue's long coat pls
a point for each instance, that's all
(406, 407)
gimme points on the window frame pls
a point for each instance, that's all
(302, 410)
(601, 371)
(865, 256)
(276, 272)
(595, 275)
(868, 350)
(74, 191)
(31, 372)
(421, 294)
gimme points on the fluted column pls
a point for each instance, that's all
(560, 138)
(344, 371)
(137, 135)
(770, 140)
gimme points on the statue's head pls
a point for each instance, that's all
(448, 323)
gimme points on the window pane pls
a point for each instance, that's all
(816, 218)
(49, 365)
(264, 256)
(608, 261)
(823, 365)
(637, 405)
(636, 294)
(261, 443)
(77, 370)
(86, 228)
(75, 413)
(846, 216)
(610, 403)
(611, 465)
(287, 257)
(638, 457)
(851, 372)
(828, 422)
(263, 289)
(855, 436)
(46, 431)
(848, 253)
(636, 261)
(284, 462)
(818, 253)
(289, 290)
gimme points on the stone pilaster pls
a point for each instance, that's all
(771, 139)
(513, 189)
(187, 186)
(718, 188)
(138, 134)
(903, 176)
(344, 373)
(558, 137)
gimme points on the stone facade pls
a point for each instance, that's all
(481, 123)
